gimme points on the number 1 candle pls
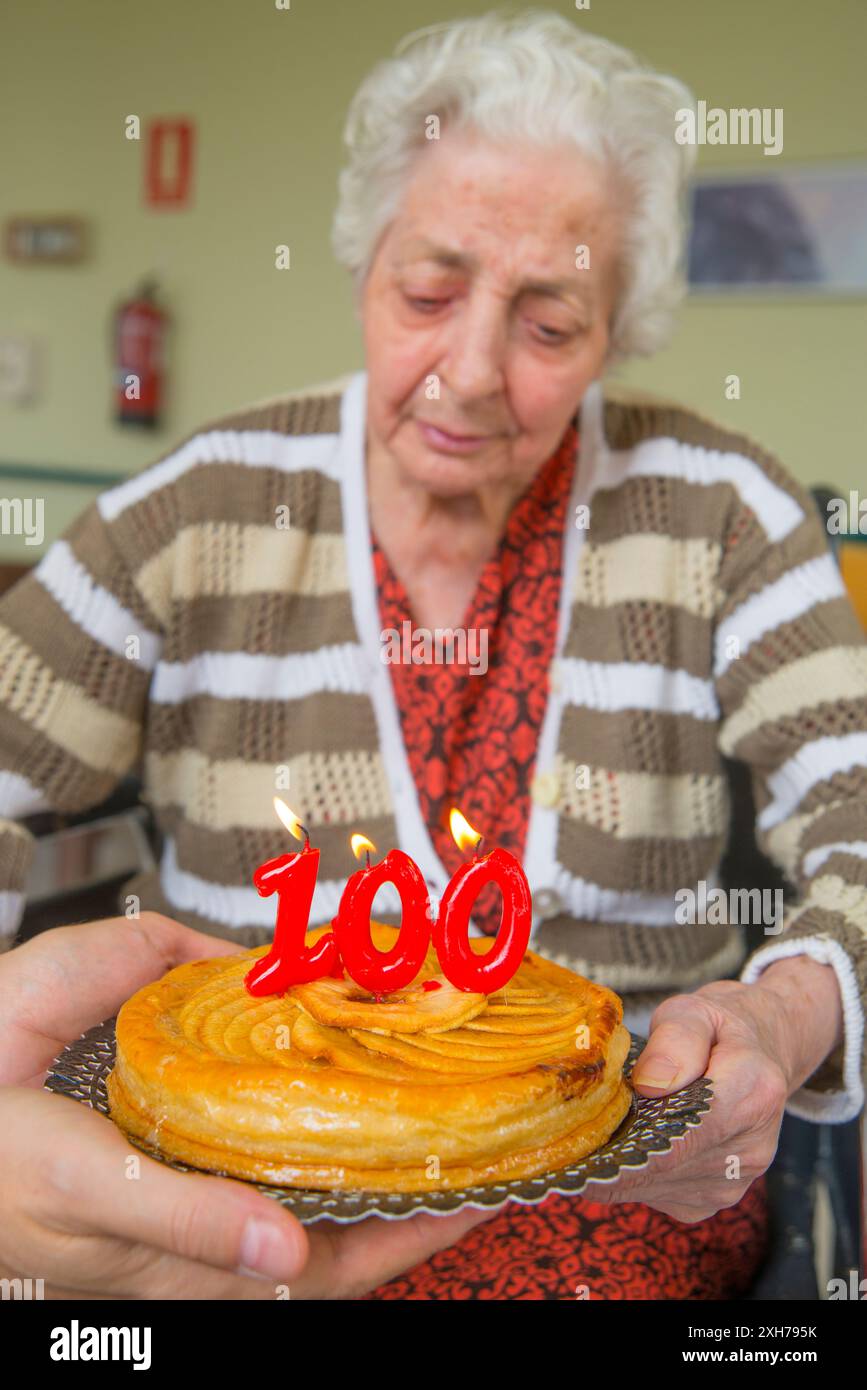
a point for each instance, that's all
(293, 878)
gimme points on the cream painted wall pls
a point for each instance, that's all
(268, 89)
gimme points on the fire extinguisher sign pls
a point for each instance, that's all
(169, 162)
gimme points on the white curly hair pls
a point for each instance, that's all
(532, 76)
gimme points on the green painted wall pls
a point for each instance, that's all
(268, 89)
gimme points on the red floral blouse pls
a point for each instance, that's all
(471, 738)
(471, 742)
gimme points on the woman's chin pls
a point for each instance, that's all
(449, 476)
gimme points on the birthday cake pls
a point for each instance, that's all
(327, 1086)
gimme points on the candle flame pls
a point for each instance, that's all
(289, 818)
(360, 843)
(463, 833)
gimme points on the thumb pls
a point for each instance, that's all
(678, 1050)
(64, 981)
(89, 969)
(80, 1170)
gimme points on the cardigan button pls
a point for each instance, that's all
(545, 789)
(547, 903)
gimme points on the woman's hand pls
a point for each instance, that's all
(86, 1212)
(758, 1044)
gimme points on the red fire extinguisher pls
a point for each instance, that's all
(140, 328)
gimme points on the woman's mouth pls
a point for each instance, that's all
(452, 443)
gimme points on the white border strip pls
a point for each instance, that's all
(11, 912)
(787, 598)
(540, 863)
(666, 457)
(18, 797)
(288, 453)
(620, 685)
(257, 676)
(237, 907)
(813, 763)
(586, 899)
(815, 858)
(92, 608)
(835, 1107)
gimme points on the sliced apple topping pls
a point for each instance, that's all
(416, 1009)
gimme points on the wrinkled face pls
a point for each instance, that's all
(481, 333)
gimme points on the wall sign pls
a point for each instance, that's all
(17, 369)
(169, 162)
(44, 240)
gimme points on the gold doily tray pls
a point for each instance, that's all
(649, 1127)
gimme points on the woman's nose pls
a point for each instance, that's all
(476, 358)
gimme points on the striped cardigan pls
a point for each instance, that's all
(211, 624)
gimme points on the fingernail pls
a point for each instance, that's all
(661, 1072)
(267, 1251)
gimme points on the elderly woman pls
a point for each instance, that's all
(638, 592)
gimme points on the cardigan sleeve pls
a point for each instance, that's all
(78, 641)
(790, 671)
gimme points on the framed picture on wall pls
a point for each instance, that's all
(795, 230)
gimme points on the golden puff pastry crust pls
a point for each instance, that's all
(325, 1087)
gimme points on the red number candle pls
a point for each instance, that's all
(293, 878)
(484, 974)
(383, 972)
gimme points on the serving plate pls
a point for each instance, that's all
(649, 1127)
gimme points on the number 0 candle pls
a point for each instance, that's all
(484, 974)
(382, 972)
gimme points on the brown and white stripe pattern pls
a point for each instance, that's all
(701, 617)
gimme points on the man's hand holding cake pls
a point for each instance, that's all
(72, 1214)
(333, 1085)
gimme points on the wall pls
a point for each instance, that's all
(268, 89)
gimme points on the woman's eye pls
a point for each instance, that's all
(551, 335)
(425, 305)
